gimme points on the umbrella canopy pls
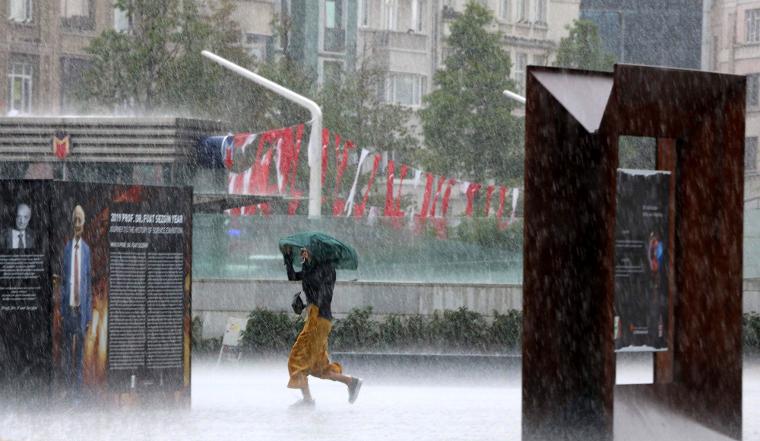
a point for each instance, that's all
(323, 248)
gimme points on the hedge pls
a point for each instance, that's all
(453, 331)
(456, 331)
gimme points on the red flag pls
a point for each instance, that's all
(500, 210)
(489, 193)
(359, 209)
(339, 204)
(426, 197)
(438, 189)
(472, 190)
(393, 204)
(446, 196)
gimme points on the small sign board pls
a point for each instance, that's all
(233, 334)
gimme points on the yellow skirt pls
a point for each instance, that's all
(309, 353)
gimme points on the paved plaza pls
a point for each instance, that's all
(250, 401)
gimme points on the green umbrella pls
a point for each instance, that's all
(323, 248)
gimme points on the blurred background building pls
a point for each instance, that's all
(731, 44)
(652, 32)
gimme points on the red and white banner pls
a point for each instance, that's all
(250, 158)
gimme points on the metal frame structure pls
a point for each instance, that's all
(573, 122)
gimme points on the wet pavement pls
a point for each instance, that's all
(250, 401)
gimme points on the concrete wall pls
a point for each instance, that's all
(752, 295)
(216, 299)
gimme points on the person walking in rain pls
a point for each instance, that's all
(309, 353)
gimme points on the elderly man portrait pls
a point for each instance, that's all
(76, 299)
(20, 237)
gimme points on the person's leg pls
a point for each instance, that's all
(334, 376)
(332, 370)
(301, 359)
(306, 392)
(79, 360)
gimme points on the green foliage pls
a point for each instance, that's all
(468, 124)
(582, 48)
(461, 329)
(391, 332)
(269, 332)
(201, 345)
(486, 232)
(157, 65)
(353, 109)
(637, 152)
(356, 330)
(457, 331)
(751, 325)
(506, 330)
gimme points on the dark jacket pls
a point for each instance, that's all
(317, 280)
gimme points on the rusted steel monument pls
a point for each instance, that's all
(573, 123)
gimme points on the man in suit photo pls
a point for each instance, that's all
(76, 300)
(20, 237)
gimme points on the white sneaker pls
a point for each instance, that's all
(303, 404)
(353, 389)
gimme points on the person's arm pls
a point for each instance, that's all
(326, 286)
(293, 275)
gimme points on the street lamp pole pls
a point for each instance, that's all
(315, 137)
(511, 95)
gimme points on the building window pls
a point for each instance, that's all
(77, 14)
(334, 32)
(417, 23)
(122, 21)
(504, 9)
(405, 89)
(521, 61)
(541, 11)
(750, 154)
(752, 17)
(523, 10)
(20, 11)
(331, 72)
(20, 79)
(363, 13)
(539, 60)
(390, 14)
(753, 90)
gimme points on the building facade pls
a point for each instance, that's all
(43, 41)
(42, 50)
(651, 32)
(405, 38)
(532, 29)
(731, 44)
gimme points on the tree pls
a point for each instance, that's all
(582, 48)
(468, 125)
(157, 66)
(353, 109)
